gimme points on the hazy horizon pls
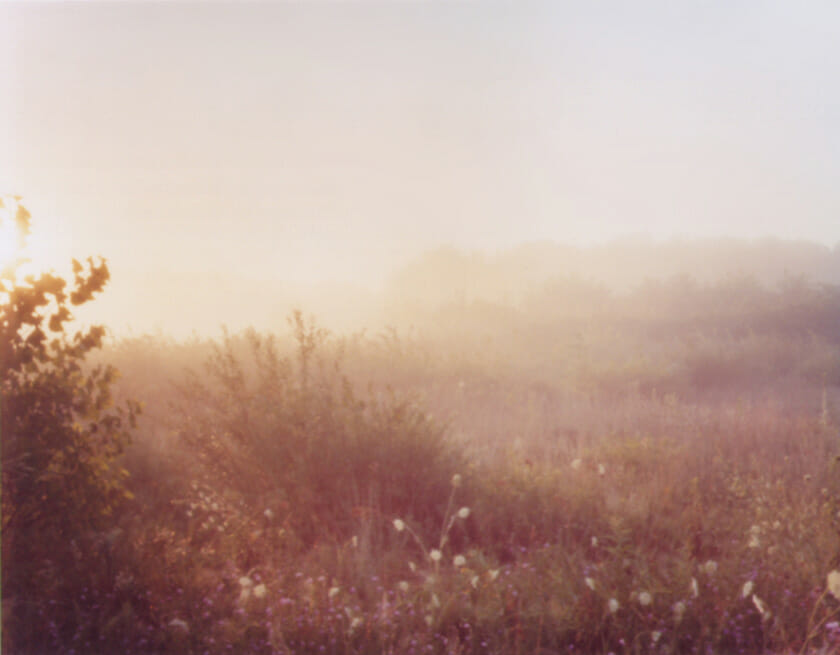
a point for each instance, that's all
(318, 143)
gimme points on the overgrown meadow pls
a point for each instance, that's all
(482, 483)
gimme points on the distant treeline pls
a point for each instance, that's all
(736, 287)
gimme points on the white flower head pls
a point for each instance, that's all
(474, 582)
(355, 623)
(399, 525)
(246, 582)
(456, 480)
(268, 514)
(590, 583)
(464, 512)
(435, 555)
(602, 470)
(260, 591)
(679, 611)
(333, 592)
(594, 542)
(403, 585)
(494, 573)
(655, 636)
(832, 583)
(645, 598)
(459, 560)
(710, 567)
(747, 589)
(179, 624)
(413, 567)
(577, 463)
(695, 589)
(755, 542)
(761, 607)
(613, 605)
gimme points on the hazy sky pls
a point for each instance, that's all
(314, 140)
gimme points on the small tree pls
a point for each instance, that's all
(60, 434)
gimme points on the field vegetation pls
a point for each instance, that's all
(590, 471)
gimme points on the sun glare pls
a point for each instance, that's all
(41, 252)
(8, 239)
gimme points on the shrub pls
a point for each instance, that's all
(60, 441)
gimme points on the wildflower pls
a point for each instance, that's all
(435, 600)
(435, 555)
(456, 480)
(259, 591)
(613, 605)
(695, 590)
(354, 541)
(776, 525)
(590, 583)
(679, 611)
(710, 567)
(747, 589)
(355, 623)
(268, 514)
(403, 585)
(807, 477)
(833, 583)
(333, 592)
(761, 607)
(179, 624)
(464, 512)
(755, 529)
(474, 582)
(645, 598)
(245, 582)
(576, 463)
(602, 470)
(494, 573)
(413, 567)
(459, 560)
(429, 620)
(755, 542)
(399, 525)
(594, 542)
(655, 636)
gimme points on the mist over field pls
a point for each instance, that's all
(407, 328)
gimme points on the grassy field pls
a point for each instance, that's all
(527, 490)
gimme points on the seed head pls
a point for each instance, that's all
(832, 581)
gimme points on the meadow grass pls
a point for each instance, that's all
(360, 496)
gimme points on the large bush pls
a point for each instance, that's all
(290, 433)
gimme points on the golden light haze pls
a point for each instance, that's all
(230, 160)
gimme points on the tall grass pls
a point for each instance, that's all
(295, 494)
